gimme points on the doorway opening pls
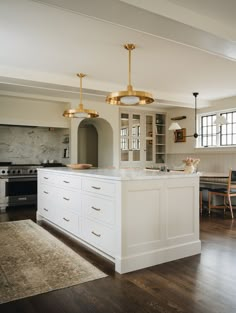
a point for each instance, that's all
(87, 144)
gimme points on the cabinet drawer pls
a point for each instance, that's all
(46, 178)
(99, 209)
(70, 200)
(100, 236)
(69, 221)
(98, 186)
(68, 182)
(47, 212)
(46, 194)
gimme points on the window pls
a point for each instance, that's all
(213, 135)
(208, 131)
(228, 131)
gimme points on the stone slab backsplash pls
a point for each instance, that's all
(31, 145)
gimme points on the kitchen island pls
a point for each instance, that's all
(136, 218)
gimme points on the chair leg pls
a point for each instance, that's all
(225, 204)
(209, 202)
(200, 201)
(230, 206)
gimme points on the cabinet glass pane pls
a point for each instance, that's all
(135, 145)
(124, 129)
(149, 126)
(124, 149)
(136, 149)
(160, 158)
(149, 150)
(136, 125)
(136, 155)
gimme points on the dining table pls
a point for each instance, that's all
(213, 178)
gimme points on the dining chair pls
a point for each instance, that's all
(226, 193)
(201, 199)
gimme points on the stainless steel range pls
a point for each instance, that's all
(18, 185)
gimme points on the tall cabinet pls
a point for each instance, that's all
(142, 138)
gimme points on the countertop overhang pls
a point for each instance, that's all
(121, 174)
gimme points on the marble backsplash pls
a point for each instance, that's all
(32, 145)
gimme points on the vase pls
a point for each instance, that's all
(189, 169)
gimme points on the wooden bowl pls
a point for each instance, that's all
(79, 166)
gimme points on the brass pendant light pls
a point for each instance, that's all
(80, 111)
(129, 96)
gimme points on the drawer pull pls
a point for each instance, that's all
(96, 209)
(95, 187)
(46, 192)
(45, 177)
(66, 181)
(67, 199)
(22, 198)
(45, 209)
(65, 219)
(98, 235)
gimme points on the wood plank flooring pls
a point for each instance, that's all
(204, 283)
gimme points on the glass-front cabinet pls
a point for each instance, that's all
(142, 139)
(130, 137)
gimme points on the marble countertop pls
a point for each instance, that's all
(120, 174)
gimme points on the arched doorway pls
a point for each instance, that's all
(87, 144)
(95, 142)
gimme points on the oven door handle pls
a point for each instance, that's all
(21, 178)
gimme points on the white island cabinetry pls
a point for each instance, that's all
(134, 218)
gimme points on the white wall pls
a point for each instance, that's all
(212, 159)
(32, 112)
(17, 110)
(188, 123)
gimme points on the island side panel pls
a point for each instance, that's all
(151, 233)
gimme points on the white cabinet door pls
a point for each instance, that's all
(130, 138)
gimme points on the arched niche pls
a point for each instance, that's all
(88, 135)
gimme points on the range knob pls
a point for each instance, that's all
(3, 171)
(30, 171)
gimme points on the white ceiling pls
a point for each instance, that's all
(182, 46)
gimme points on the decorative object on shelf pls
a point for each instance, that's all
(66, 153)
(79, 166)
(129, 96)
(190, 165)
(80, 111)
(178, 118)
(220, 121)
(180, 135)
(66, 139)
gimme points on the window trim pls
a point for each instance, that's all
(218, 129)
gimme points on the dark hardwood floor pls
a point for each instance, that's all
(204, 283)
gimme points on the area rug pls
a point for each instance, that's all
(32, 261)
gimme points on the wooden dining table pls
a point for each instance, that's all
(213, 178)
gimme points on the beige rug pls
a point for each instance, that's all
(32, 261)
